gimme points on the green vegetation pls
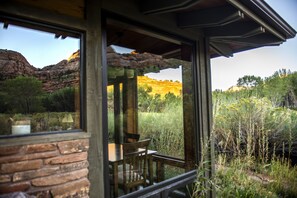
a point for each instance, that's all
(255, 130)
(165, 130)
(157, 121)
(23, 96)
(243, 177)
(62, 100)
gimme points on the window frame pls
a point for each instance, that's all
(74, 33)
(107, 15)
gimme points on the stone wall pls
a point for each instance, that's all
(58, 169)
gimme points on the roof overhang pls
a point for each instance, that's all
(231, 25)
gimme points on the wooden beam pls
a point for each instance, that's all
(117, 113)
(211, 17)
(257, 19)
(235, 30)
(130, 104)
(265, 39)
(41, 15)
(221, 49)
(164, 6)
(254, 32)
(96, 101)
(188, 106)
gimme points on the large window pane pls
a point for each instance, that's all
(150, 94)
(39, 79)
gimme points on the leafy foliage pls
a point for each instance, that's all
(21, 95)
(255, 130)
(62, 100)
(249, 81)
(148, 102)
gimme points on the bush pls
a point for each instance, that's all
(22, 95)
(62, 100)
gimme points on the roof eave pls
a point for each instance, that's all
(263, 9)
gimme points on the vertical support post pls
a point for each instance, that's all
(130, 105)
(188, 106)
(204, 118)
(96, 101)
(160, 171)
(117, 113)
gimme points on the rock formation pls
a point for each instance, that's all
(66, 73)
(54, 77)
(13, 64)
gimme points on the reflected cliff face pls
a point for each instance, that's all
(54, 77)
(39, 81)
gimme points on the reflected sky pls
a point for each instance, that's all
(39, 48)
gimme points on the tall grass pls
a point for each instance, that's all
(165, 129)
(241, 178)
(249, 126)
(253, 140)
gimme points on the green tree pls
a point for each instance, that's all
(23, 94)
(144, 98)
(62, 100)
(249, 81)
(276, 88)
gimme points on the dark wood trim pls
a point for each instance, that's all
(265, 11)
(158, 7)
(197, 98)
(234, 30)
(147, 29)
(212, 17)
(41, 15)
(164, 188)
(207, 136)
(53, 28)
(222, 49)
(96, 117)
(104, 114)
(172, 161)
(117, 112)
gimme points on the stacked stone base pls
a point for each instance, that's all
(58, 169)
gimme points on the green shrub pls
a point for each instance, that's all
(62, 100)
(22, 95)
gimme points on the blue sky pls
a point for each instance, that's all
(43, 49)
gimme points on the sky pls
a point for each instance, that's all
(263, 61)
(40, 48)
(43, 49)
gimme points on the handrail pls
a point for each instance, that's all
(169, 160)
(165, 187)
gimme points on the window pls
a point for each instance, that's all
(150, 93)
(40, 78)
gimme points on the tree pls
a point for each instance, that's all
(249, 81)
(276, 88)
(144, 98)
(62, 100)
(23, 94)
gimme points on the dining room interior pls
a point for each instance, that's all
(137, 111)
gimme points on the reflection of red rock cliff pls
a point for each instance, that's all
(54, 77)
(63, 74)
(13, 64)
